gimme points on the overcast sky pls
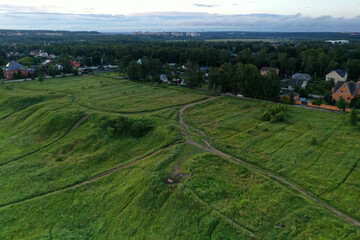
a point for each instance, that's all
(184, 15)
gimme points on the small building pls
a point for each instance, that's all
(58, 67)
(302, 76)
(301, 83)
(266, 70)
(288, 94)
(346, 90)
(337, 75)
(52, 56)
(47, 63)
(338, 41)
(163, 78)
(75, 64)
(14, 67)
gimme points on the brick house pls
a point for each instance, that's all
(346, 90)
(75, 64)
(266, 70)
(14, 67)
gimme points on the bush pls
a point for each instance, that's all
(353, 117)
(313, 141)
(123, 126)
(273, 113)
(317, 102)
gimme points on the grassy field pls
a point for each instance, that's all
(108, 94)
(328, 168)
(106, 176)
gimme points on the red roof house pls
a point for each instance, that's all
(75, 64)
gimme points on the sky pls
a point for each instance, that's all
(184, 15)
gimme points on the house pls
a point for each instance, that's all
(163, 78)
(43, 54)
(176, 81)
(47, 63)
(58, 67)
(337, 75)
(204, 69)
(75, 64)
(266, 70)
(346, 90)
(288, 95)
(301, 83)
(52, 56)
(14, 67)
(302, 76)
(337, 41)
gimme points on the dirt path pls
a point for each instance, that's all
(254, 168)
(49, 144)
(97, 177)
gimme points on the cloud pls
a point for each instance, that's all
(205, 5)
(177, 21)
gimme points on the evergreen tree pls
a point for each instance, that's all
(193, 75)
(134, 70)
(353, 117)
(213, 79)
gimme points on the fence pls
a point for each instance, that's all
(322, 106)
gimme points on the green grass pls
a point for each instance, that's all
(234, 126)
(143, 207)
(108, 94)
(212, 197)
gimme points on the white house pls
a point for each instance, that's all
(337, 75)
(163, 78)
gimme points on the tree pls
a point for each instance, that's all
(291, 100)
(52, 70)
(317, 102)
(41, 77)
(134, 70)
(226, 78)
(353, 117)
(213, 79)
(75, 71)
(238, 79)
(27, 61)
(341, 104)
(66, 64)
(193, 75)
(150, 68)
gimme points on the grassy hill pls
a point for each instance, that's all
(80, 160)
(329, 167)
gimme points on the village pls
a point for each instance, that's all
(343, 92)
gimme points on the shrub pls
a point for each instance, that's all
(273, 113)
(123, 126)
(317, 102)
(353, 117)
(313, 141)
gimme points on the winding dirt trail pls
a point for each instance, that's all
(97, 177)
(83, 118)
(256, 169)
